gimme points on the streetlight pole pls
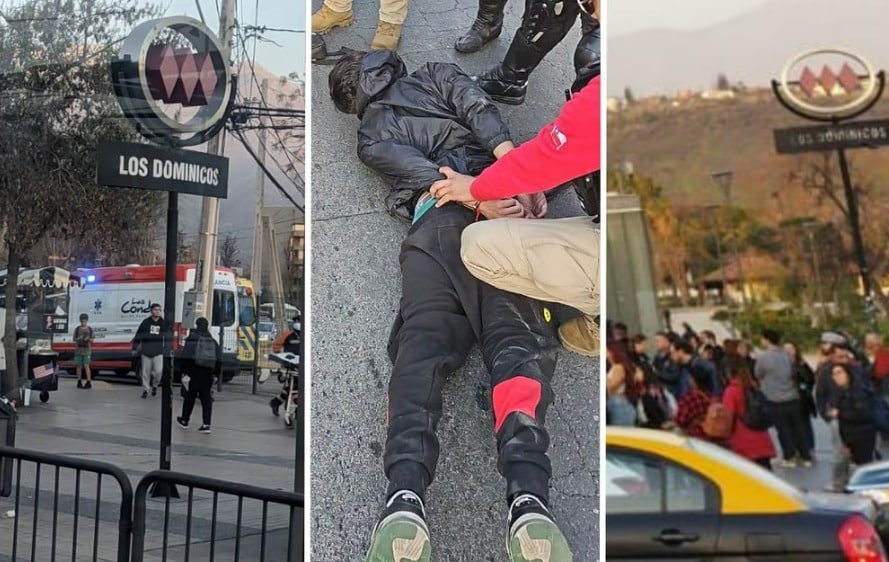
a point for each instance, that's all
(712, 208)
(723, 179)
(810, 232)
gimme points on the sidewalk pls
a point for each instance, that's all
(112, 424)
(355, 292)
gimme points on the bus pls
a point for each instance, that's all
(246, 332)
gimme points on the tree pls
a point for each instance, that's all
(56, 106)
(185, 253)
(628, 96)
(818, 175)
(722, 82)
(228, 253)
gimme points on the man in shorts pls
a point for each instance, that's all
(83, 347)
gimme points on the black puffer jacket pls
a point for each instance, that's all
(411, 125)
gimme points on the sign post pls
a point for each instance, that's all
(176, 93)
(834, 86)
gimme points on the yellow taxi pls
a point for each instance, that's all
(673, 497)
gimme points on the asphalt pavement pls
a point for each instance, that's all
(356, 287)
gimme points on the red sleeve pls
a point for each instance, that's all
(565, 149)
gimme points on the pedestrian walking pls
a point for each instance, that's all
(200, 363)
(151, 340)
(83, 344)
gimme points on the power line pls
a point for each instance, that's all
(282, 144)
(268, 174)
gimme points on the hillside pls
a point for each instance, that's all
(237, 212)
(749, 48)
(680, 146)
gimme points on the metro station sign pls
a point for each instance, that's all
(172, 81)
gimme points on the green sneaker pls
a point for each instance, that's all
(533, 535)
(402, 534)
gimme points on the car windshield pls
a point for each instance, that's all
(743, 465)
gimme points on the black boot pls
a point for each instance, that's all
(587, 55)
(487, 26)
(544, 24)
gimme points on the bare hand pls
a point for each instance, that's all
(455, 188)
(535, 205)
(502, 209)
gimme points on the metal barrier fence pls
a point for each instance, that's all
(61, 508)
(265, 523)
(76, 517)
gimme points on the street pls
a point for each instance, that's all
(111, 423)
(355, 295)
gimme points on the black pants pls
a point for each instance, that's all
(789, 424)
(444, 310)
(766, 463)
(200, 385)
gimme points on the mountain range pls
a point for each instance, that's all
(751, 48)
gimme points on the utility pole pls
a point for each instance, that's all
(281, 320)
(209, 231)
(256, 263)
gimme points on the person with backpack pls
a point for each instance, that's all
(83, 343)
(200, 363)
(748, 409)
(693, 407)
(853, 408)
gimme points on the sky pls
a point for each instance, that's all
(628, 16)
(286, 14)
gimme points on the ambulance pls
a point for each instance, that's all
(117, 299)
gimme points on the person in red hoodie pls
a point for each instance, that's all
(551, 260)
(752, 444)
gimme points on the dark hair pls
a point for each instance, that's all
(797, 355)
(703, 379)
(683, 346)
(202, 324)
(620, 326)
(84, 316)
(639, 338)
(343, 81)
(155, 305)
(737, 368)
(621, 357)
(771, 336)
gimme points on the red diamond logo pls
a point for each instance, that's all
(848, 79)
(188, 73)
(828, 80)
(808, 82)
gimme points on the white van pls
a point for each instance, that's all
(117, 299)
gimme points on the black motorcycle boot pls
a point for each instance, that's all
(487, 26)
(544, 24)
(587, 55)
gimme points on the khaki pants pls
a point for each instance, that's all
(553, 260)
(391, 11)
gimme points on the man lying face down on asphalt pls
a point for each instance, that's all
(411, 125)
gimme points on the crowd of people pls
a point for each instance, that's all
(735, 395)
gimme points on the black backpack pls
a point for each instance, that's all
(756, 410)
(205, 352)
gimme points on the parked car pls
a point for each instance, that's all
(678, 498)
